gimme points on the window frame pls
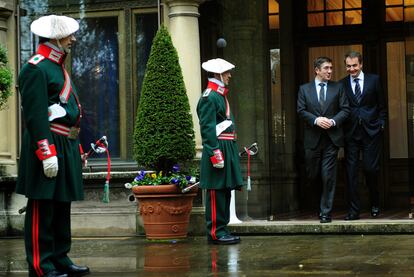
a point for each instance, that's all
(404, 7)
(324, 11)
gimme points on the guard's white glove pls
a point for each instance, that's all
(50, 166)
(217, 160)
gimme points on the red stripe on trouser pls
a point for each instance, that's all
(213, 214)
(35, 238)
(214, 260)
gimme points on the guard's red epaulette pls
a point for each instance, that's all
(36, 59)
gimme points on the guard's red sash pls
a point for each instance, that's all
(57, 57)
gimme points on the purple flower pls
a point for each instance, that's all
(140, 176)
(176, 168)
(174, 181)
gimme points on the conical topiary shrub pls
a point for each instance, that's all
(164, 134)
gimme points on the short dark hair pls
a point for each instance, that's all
(210, 74)
(43, 39)
(353, 54)
(320, 60)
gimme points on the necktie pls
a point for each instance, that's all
(322, 95)
(358, 94)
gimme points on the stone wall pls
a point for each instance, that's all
(91, 217)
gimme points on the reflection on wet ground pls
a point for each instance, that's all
(288, 255)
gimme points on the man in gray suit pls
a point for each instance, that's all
(323, 105)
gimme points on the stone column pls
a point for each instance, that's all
(8, 116)
(183, 27)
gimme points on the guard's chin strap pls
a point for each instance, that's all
(221, 78)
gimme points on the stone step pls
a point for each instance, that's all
(377, 226)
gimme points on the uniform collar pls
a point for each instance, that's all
(51, 52)
(218, 86)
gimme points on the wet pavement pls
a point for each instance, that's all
(282, 255)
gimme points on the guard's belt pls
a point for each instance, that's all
(64, 130)
(227, 136)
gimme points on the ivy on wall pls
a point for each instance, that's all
(6, 78)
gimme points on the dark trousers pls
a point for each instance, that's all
(47, 235)
(321, 166)
(217, 212)
(370, 147)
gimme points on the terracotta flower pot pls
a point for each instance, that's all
(164, 210)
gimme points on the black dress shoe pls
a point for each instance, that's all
(375, 211)
(75, 270)
(236, 237)
(55, 273)
(226, 239)
(325, 219)
(352, 217)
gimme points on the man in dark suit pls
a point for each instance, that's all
(323, 105)
(363, 131)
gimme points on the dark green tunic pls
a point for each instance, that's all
(211, 110)
(40, 85)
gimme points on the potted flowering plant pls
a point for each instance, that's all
(163, 138)
(152, 178)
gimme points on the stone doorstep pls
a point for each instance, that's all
(376, 226)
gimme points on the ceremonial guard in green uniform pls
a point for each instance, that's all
(50, 170)
(220, 164)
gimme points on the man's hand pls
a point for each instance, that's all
(324, 123)
(50, 166)
(217, 160)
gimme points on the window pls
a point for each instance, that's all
(399, 10)
(96, 75)
(102, 73)
(334, 12)
(273, 11)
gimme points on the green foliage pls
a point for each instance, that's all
(164, 134)
(6, 78)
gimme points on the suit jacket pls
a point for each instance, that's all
(336, 107)
(371, 112)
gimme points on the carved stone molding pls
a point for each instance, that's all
(6, 10)
(183, 7)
